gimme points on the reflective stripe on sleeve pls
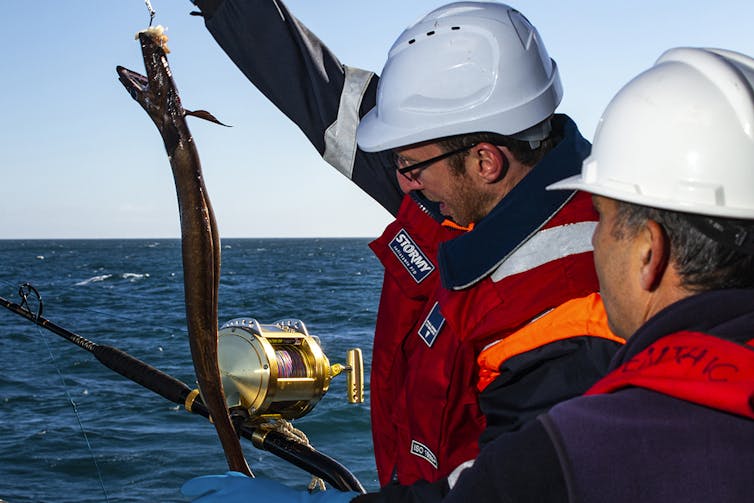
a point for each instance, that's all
(453, 477)
(545, 246)
(340, 137)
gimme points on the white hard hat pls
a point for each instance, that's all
(679, 136)
(463, 68)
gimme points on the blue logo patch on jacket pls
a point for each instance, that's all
(432, 325)
(411, 256)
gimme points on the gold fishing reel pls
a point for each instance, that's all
(279, 371)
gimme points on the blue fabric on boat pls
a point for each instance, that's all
(235, 487)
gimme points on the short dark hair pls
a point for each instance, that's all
(702, 262)
(521, 149)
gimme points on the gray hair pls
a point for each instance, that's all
(702, 262)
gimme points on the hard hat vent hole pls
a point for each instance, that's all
(433, 32)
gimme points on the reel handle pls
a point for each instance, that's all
(355, 376)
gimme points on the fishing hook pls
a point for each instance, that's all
(23, 291)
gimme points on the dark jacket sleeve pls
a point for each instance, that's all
(519, 467)
(516, 467)
(420, 492)
(299, 74)
(532, 382)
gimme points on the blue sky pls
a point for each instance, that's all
(80, 159)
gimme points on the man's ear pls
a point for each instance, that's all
(493, 161)
(654, 248)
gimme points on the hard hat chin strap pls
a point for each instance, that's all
(728, 233)
(535, 134)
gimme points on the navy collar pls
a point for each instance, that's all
(469, 258)
(728, 314)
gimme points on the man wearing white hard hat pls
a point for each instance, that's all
(672, 177)
(489, 313)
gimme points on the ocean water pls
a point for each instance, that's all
(72, 430)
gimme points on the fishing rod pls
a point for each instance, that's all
(299, 454)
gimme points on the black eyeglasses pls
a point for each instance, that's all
(403, 169)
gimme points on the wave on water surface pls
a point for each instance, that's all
(130, 276)
(95, 279)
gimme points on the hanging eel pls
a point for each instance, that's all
(200, 241)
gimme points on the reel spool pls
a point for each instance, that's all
(279, 371)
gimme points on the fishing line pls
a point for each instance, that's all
(76, 413)
(65, 385)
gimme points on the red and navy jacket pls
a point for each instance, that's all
(672, 421)
(529, 256)
(443, 299)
